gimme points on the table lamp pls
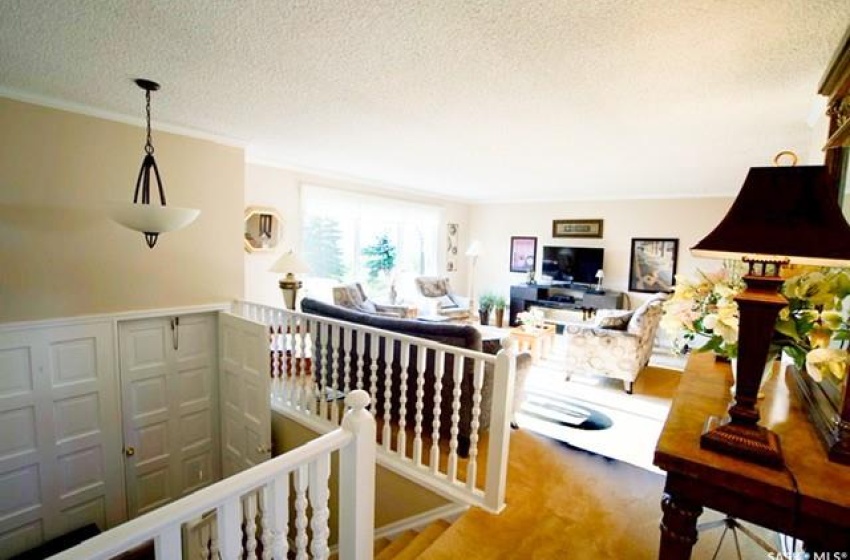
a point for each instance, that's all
(781, 215)
(291, 264)
(599, 277)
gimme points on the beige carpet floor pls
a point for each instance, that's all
(565, 503)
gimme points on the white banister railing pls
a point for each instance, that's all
(442, 410)
(246, 515)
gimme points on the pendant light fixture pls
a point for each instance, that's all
(141, 215)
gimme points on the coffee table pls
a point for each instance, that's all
(537, 340)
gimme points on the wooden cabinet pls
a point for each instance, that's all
(835, 85)
(573, 297)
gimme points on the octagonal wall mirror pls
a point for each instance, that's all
(263, 229)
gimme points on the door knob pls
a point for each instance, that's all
(263, 449)
(129, 451)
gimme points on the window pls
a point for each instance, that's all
(338, 225)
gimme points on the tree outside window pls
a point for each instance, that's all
(381, 242)
(381, 262)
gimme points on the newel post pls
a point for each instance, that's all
(500, 432)
(357, 481)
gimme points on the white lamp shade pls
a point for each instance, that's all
(289, 262)
(474, 249)
(152, 218)
(600, 274)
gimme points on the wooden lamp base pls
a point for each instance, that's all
(752, 443)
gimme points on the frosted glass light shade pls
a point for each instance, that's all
(152, 218)
(474, 249)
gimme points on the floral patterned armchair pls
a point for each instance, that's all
(352, 296)
(618, 345)
(440, 298)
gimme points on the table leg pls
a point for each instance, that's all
(678, 527)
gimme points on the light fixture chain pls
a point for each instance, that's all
(148, 142)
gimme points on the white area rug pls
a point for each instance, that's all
(562, 410)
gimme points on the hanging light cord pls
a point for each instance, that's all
(148, 141)
(144, 179)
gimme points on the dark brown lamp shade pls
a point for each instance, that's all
(783, 213)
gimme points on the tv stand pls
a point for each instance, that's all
(562, 295)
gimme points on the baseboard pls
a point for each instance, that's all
(449, 512)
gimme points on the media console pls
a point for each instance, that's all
(579, 297)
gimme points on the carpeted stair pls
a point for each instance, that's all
(408, 545)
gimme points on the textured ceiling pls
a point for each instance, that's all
(478, 100)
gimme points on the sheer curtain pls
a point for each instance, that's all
(338, 224)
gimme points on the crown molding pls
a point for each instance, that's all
(89, 111)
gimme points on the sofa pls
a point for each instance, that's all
(462, 336)
(618, 344)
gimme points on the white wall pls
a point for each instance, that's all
(687, 220)
(280, 189)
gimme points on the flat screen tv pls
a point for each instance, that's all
(572, 264)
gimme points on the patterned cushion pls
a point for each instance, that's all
(433, 286)
(651, 307)
(615, 322)
(351, 296)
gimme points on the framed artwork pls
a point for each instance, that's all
(451, 248)
(523, 254)
(577, 228)
(652, 267)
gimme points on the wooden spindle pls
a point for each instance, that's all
(319, 473)
(440, 366)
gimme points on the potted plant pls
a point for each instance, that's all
(485, 304)
(499, 305)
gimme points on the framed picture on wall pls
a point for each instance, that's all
(523, 254)
(577, 228)
(652, 267)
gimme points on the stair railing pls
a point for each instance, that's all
(436, 441)
(251, 509)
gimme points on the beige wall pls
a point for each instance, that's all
(396, 498)
(280, 189)
(59, 253)
(688, 220)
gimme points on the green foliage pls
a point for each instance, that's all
(380, 256)
(499, 302)
(322, 250)
(487, 301)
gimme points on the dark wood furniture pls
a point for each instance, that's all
(575, 296)
(809, 500)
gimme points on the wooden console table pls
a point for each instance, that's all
(809, 500)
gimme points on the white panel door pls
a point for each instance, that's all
(170, 404)
(60, 439)
(245, 391)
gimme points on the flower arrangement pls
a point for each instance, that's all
(705, 310)
(530, 319)
(818, 314)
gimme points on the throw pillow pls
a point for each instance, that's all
(614, 322)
